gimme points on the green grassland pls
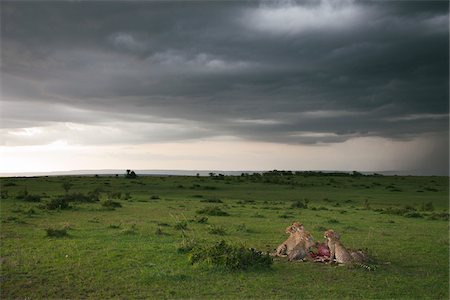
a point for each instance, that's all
(133, 251)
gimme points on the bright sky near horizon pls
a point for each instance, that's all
(225, 85)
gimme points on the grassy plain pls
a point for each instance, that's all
(131, 251)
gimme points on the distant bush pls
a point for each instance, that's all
(9, 183)
(79, 197)
(219, 230)
(212, 200)
(154, 197)
(285, 216)
(111, 204)
(32, 198)
(233, 257)
(212, 211)
(58, 233)
(115, 226)
(413, 214)
(300, 204)
(57, 203)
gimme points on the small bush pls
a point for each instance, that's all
(57, 203)
(300, 204)
(9, 183)
(111, 204)
(212, 200)
(82, 198)
(233, 257)
(219, 230)
(32, 198)
(212, 211)
(285, 216)
(115, 226)
(413, 214)
(154, 197)
(58, 233)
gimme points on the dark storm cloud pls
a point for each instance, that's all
(294, 72)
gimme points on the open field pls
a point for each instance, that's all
(132, 251)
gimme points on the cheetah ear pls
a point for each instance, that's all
(337, 235)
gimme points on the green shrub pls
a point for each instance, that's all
(32, 198)
(212, 200)
(285, 216)
(219, 230)
(58, 233)
(82, 198)
(413, 214)
(300, 204)
(57, 203)
(212, 211)
(111, 204)
(233, 257)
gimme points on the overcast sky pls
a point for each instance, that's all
(346, 85)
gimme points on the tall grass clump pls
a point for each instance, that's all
(219, 230)
(233, 257)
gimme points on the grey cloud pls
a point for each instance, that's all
(215, 63)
